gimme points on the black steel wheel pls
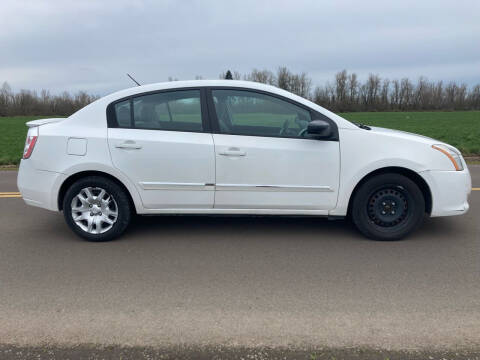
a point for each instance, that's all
(388, 207)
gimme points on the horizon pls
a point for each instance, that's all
(361, 80)
(90, 46)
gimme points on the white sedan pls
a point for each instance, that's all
(233, 147)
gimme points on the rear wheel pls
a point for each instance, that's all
(388, 207)
(96, 208)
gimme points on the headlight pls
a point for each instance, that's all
(454, 156)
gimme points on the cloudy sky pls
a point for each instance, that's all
(90, 45)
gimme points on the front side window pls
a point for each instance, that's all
(176, 110)
(241, 112)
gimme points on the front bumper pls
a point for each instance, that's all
(450, 191)
(39, 187)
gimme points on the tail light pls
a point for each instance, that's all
(32, 137)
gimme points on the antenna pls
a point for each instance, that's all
(135, 81)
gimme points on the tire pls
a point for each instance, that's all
(388, 207)
(95, 215)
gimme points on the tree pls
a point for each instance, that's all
(352, 92)
(261, 76)
(395, 95)
(474, 98)
(341, 89)
(384, 105)
(299, 84)
(406, 94)
(371, 90)
(5, 99)
(283, 78)
(228, 75)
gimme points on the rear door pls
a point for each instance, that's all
(162, 142)
(264, 160)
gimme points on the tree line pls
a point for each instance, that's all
(345, 93)
(27, 102)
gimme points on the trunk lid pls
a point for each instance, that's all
(39, 122)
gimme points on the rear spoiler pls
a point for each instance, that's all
(39, 122)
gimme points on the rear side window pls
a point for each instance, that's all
(175, 110)
(123, 113)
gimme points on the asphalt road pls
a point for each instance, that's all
(258, 281)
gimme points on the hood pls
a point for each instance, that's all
(405, 135)
(410, 136)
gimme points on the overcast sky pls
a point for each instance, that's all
(90, 45)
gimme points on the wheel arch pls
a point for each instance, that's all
(81, 174)
(412, 175)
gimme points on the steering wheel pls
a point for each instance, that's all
(302, 132)
(286, 131)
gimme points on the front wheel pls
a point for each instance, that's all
(388, 207)
(96, 208)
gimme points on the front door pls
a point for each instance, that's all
(263, 158)
(159, 143)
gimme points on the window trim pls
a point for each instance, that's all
(112, 118)
(314, 115)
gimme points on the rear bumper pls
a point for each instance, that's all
(450, 191)
(39, 187)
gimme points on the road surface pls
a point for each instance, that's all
(238, 281)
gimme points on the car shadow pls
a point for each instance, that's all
(240, 224)
(293, 227)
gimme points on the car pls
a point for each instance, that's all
(234, 147)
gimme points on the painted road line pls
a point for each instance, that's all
(11, 196)
(476, 189)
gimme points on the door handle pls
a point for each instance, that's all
(232, 152)
(128, 145)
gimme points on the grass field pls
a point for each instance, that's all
(459, 128)
(12, 138)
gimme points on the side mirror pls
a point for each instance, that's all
(319, 129)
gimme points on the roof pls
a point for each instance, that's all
(99, 106)
(198, 83)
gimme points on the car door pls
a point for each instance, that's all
(162, 142)
(265, 160)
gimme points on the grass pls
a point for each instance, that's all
(13, 132)
(459, 128)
